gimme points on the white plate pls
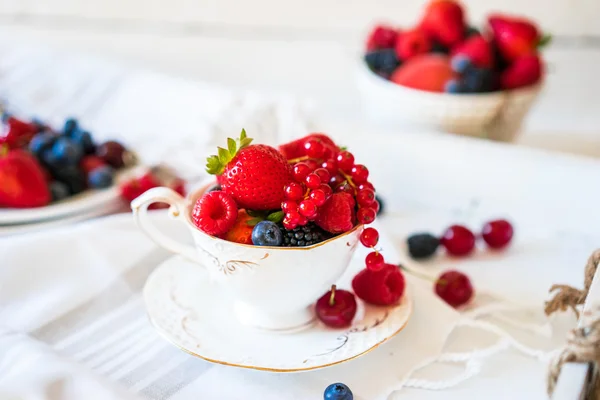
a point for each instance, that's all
(189, 312)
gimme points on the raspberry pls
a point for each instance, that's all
(215, 213)
(337, 214)
(383, 287)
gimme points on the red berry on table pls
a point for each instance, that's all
(383, 287)
(336, 308)
(345, 161)
(300, 170)
(365, 197)
(477, 50)
(294, 191)
(444, 22)
(23, 183)
(289, 205)
(314, 148)
(318, 197)
(374, 261)
(458, 240)
(312, 181)
(454, 288)
(382, 37)
(307, 208)
(498, 233)
(113, 153)
(410, 43)
(254, 175)
(366, 215)
(337, 214)
(325, 188)
(323, 174)
(515, 37)
(241, 231)
(360, 173)
(369, 237)
(215, 213)
(330, 165)
(524, 71)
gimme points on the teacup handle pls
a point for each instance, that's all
(177, 204)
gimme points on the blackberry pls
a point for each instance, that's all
(306, 235)
(422, 245)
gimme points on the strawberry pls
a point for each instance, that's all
(16, 133)
(411, 43)
(524, 71)
(444, 22)
(215, 213)
(382, 287)
(477, 49)
(425, 72)
(295, 148)
(337, 215)
(382, 37)
(241, 232)
(23, 182)
(515, 37)
(254, 175)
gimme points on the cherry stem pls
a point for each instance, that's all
(332, 296)
(298, 159)
(348, 179)
(417, 274)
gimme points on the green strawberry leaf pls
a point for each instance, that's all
(544, 41)
(343, 148)
(231, 146)
(216, 164)
(243, 134)
(276, 217)
(213, 165)
(253, 221)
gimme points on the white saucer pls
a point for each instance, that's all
(190, 312)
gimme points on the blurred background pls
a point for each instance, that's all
(310, 48)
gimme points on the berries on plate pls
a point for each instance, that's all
(454, 288)
(306, 235)
(428, 72)
(101, 177)
(422, 245)
(24, 184)
(444, 22)
(253, 175)
(382, 287)
(215, 213)
(514, 36)
(383, 62)
(113, 153)
(411, 43)
(267, 233)
(338, 391)
(336, 308)
(524, 71)
(382, 37)
(477, 50)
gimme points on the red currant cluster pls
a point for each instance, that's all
(317, 175)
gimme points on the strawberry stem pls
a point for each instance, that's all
(332, 296)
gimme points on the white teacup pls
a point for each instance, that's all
(271, 287)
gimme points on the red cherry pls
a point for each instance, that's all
(374, 261)
(497, 234)
(326, 189)
(318, 197)
(323, 174)
(300, 171)
(331, 166)
(369, 237)
(458, 240)
(289, 205)
(294, 191)
(312, 181)
(366, 215)
(314, 148)
(345, 161)
(308, 208)
(454, 288)
(336, 180)
(365, 197)
(360, 173)
(336, 308)
(366, 185)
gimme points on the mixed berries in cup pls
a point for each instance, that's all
(443, 53)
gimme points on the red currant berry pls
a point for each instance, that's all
(336, 308)
(312, 164)
(336, 180)
(329, 152)
(345, 161)
(288, 206)
(454, 288)
(497, 234)
(323, 174)
(300, 171)
(366, 185)
(366, 215)
(312, 181)
(318, 197)
(345, 187)
(458, 240)
(331, 166)
(325, 188)
(293, 216)
(365, 197)
(302, 221)
(294, 191)
(369, 237)
(360, 173)
(314, 148)
(308, 208)
(376, 206)
(374, 261)
(287, 224)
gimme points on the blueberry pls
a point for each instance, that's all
(478, 80)
(67, 151)
(454, 86)
(381, 204)
(101, 177)
(71, 176)
(422, 245)
(460, 64)
(338, 391)
(84, 139)
(59, 191)
(267, 233)
(382, 62)
(41, 142)
(71, 124)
